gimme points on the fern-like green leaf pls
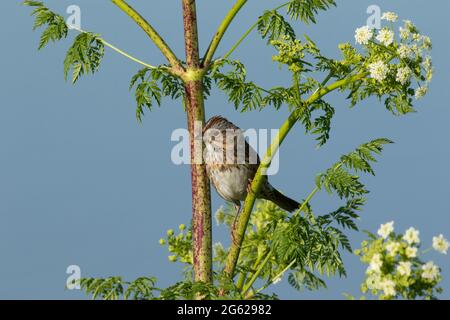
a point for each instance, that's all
(56, 26)
(306, 10)
(339, 179)
(273, 26)
(151, 85)
(84, 56)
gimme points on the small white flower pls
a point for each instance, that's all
(374, 281)
(386, 229)
(429, 75)
(411, 252)
(428, 66)
(411, 235)
(417, 37)
(427, 63)
(393, 248)
(430, 271)
(440, 244)
(378, 70)
(388, 287)
(363, 35)
(386, 37)
(427, 44)
(405, 51)
(375, 264)
(416, 50)
(390, 16)
(404, 268)
(421, 92)
(404, 33)
(403, 75)
(410, 26)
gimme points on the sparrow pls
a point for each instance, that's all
(231, 164)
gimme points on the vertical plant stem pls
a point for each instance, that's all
(201, 196)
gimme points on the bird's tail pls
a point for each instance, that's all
(282, 201)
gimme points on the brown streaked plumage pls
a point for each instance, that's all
(231, 164)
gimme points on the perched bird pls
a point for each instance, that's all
(231, 164)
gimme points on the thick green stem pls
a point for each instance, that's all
(221, 31)
(241, 225)
(151, 32)
(201, 196)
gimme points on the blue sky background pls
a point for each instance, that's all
(81, 182)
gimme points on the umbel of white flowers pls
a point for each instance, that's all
(394, 263)
(411, 47)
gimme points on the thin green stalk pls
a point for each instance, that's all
(241, 281)
(151, 32)
(257, 273)
(247, 33)
(221, 31)
(307, 200)
(278, 276)
(241, 225)
(127, 55)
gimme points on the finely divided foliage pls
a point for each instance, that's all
(346, 184)
(306, 245)
(56, 26)
(306, 10)
(84, 56)
(272, 26)
(87, 50)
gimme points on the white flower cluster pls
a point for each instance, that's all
(411, 236)
(404, 268)
(394, 263)
(378, 70)
(363, 35)
(421, 92)
(386, 36)
(411, 51)
(403, 75)
(430, 271)
(440, 244)
(390, 16)
(386, 229)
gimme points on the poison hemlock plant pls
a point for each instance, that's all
(268, 244)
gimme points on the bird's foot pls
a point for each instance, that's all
(249, 187)
(236, 218)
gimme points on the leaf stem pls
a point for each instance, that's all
(151, 32)
(278, 276)
(221, 31)
(257, 273)
(307, 200)
(247, 33)
(123, 53)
